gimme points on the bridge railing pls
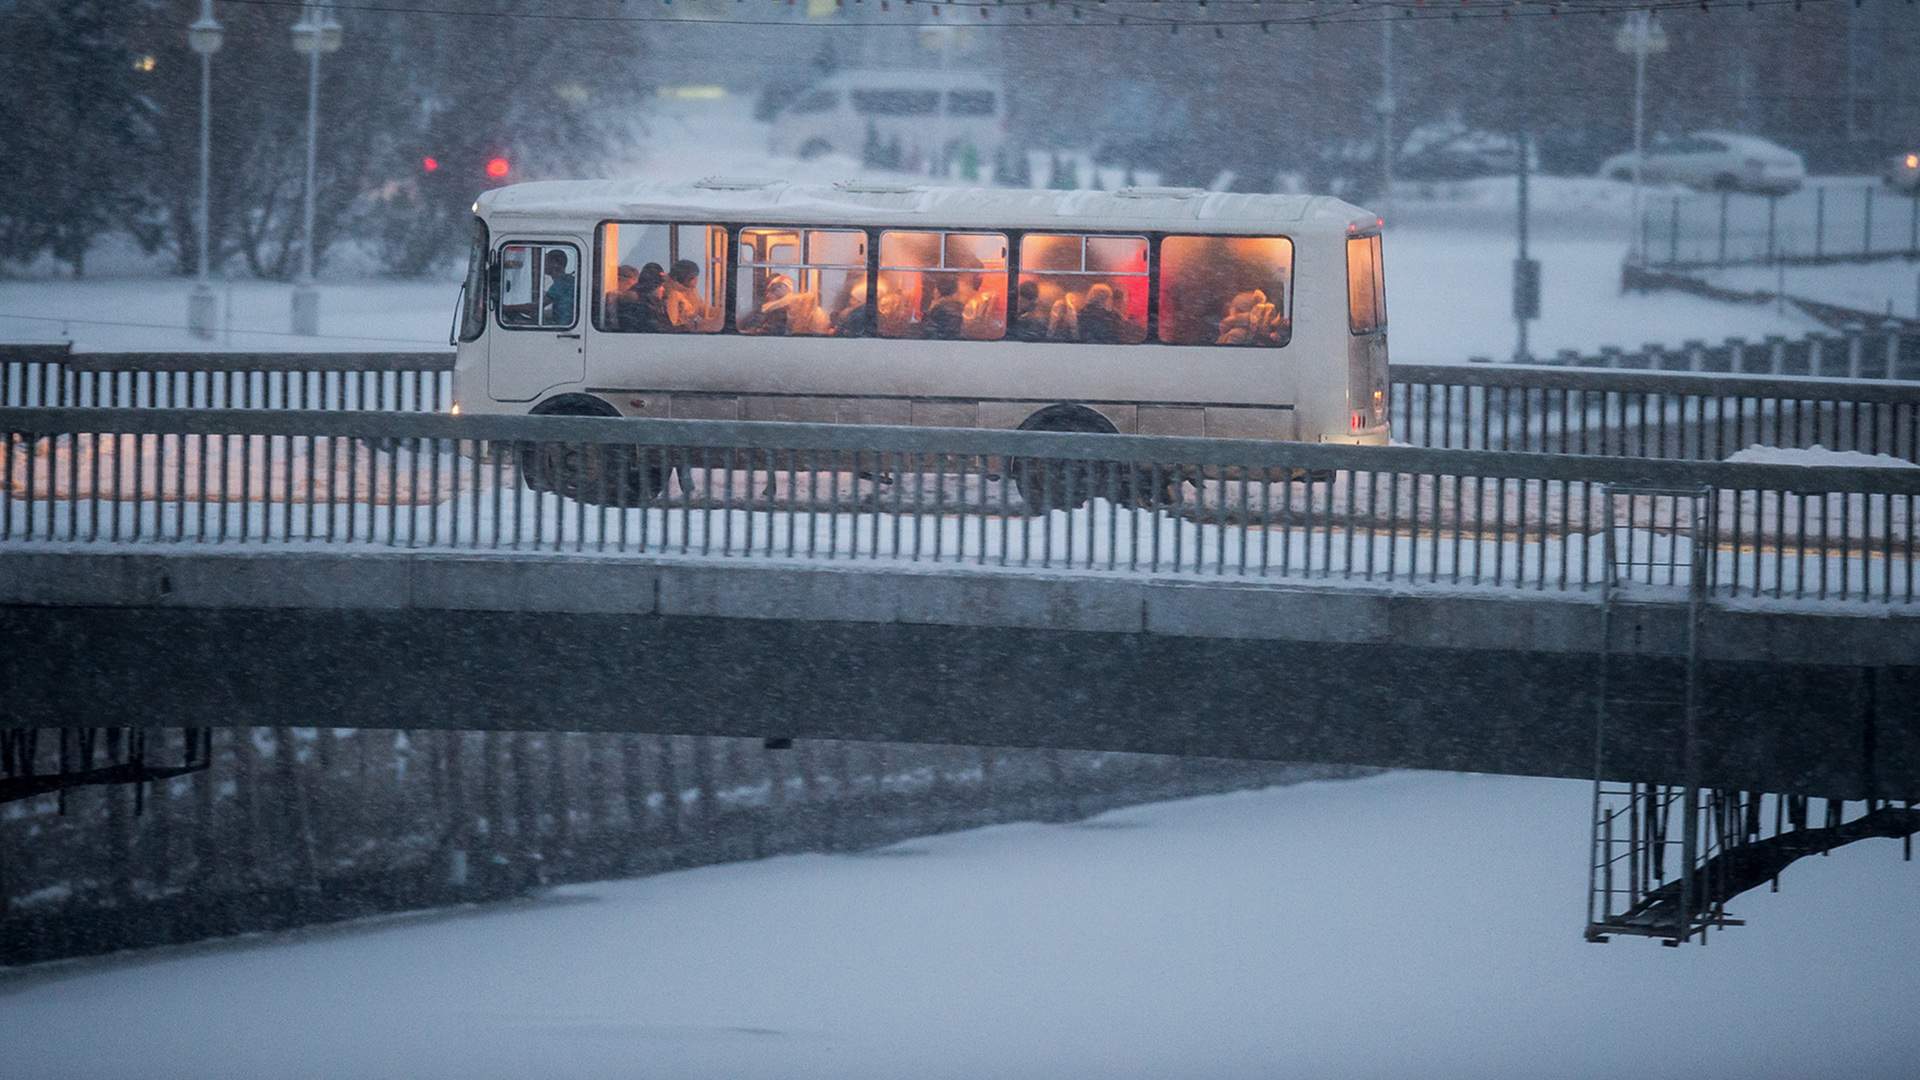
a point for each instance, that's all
(1647, 413)
(991, 500)
(54, 376)
(1537, 408)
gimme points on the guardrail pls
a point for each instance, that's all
(958, 497)
(1647, 414)
(1812, 226)
(54, 376)
(1859, 352)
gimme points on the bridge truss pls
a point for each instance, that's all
(1667, 858)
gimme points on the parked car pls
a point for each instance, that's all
(915, 111)
(1456, 153)
(1903, 171)
(1715, 161)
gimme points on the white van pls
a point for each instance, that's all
(921, 111)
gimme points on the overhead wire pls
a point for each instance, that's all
(1091, 14)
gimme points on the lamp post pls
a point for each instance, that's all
(203, 36)
(1639, 37)
(316, 33)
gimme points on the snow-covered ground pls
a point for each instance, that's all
(1449, 269)
(1407, 925)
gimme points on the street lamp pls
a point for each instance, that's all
(1639, 37)
(203, 36)
(316, 33)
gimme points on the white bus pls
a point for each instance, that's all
(1149, 311)
(921, 114)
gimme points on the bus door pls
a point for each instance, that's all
(1367, 373)
(536, 343)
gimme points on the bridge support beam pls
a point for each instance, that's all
(1474, 681)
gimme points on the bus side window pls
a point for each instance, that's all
(539, 286)
(943, 286)
(1089, 289)
(660, 279)
(1226, 290)
(798, 282)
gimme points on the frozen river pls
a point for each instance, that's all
(1405, 925)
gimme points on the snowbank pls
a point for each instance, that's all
(1818, 456)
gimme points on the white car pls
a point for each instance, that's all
(1715, 161)
(1903, 171)
(911, 113)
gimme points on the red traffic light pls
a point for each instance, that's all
(497, 167)
(429, 163)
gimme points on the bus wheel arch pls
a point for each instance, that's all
(1049, 484)
(587, 473)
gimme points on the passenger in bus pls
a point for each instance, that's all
(642, 308)
(558, 300)
(851, 318)
(946, 317)
(1030, 324)
(1250, 320)
(686, 311)
(785, 311)
(1064, 322)
(1099, 323)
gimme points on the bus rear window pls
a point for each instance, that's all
(1366, 286)
(943, 285)
(1226, 290)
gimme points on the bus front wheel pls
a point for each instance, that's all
(592, 473)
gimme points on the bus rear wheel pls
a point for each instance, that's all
(591, 473)
(1056, 484)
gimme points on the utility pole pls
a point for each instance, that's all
(316, 33)
(1639, 37)
(204, 36)
(1526, 271)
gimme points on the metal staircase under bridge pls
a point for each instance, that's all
(1668, 858)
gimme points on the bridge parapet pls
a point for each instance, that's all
(1417, 518)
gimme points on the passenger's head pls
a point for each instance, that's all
(649, 279)
(1029, 293)
(779, 287)
(944, 284)
(626, 277)
(1099, 296)
(556, 263)
(685, 272)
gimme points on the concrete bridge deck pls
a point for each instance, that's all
(1815, 702)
